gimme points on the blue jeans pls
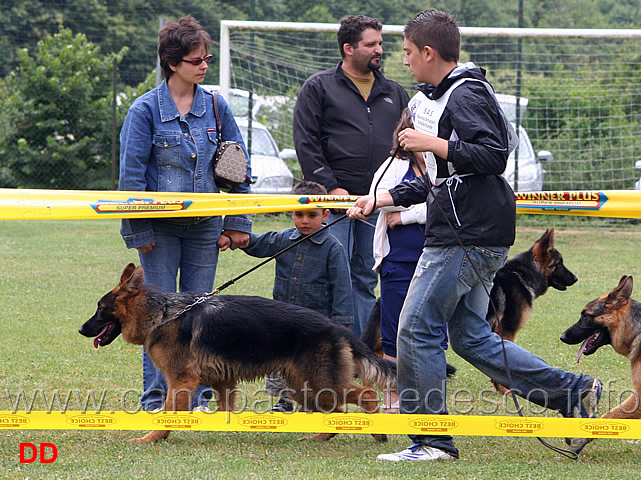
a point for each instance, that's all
(357, 237)
(446, 290)
(187, 245)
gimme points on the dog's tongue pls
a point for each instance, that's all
(582, 349)
(585, 343)
(97, 340)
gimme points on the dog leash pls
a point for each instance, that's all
(426, 181)
(228, 283)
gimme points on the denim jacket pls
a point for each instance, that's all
(162, 151)
(314, 274)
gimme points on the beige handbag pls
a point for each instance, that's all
(230, 161)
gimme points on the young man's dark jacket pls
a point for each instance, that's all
(480, 206)
(341, 139)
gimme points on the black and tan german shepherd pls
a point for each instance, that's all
(612, 319)
(228, 338)
(523, 279)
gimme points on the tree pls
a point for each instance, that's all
(59, 106)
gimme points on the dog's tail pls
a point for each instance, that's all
(371, 334)
(372, 368)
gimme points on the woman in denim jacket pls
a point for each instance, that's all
(168, 141)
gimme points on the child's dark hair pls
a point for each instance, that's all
(177, 39)
(307, 187)
(404, 122)
(435, 29)
(351, 30)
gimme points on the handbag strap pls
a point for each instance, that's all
(218, 132)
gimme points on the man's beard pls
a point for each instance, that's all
(374, 66)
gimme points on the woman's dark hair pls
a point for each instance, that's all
(404, 122)
(351, 30)
(177, 39)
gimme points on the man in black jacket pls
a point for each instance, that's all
(343, 125)
(466, 142)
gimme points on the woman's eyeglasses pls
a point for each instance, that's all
(198, 61)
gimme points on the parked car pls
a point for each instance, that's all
(531, 172)
(238, 100)
(270, 173)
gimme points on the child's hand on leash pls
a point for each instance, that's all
(233, 239)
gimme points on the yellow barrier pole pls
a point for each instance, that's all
(473, 425)
(31, 204)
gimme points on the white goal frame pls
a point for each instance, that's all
(227, 25)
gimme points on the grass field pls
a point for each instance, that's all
(54, 272)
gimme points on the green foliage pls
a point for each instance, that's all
(591, 126)
(59, 104)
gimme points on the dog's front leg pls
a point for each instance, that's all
(179, 397)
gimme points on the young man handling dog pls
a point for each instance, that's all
(465, 140)
(315, 274)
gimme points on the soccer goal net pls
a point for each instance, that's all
(579, 91)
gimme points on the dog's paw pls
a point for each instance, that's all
(152, 436)
(380, 437)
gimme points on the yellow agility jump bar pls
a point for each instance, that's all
(35, 204)
(473, 425)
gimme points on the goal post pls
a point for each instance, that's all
(582, 87)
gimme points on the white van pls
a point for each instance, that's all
(531, 171)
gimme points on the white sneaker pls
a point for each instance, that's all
(417, 453)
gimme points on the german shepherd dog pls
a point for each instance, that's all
(226, 339)
(521, 280)
(613, 319)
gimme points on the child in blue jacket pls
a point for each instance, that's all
(314, 274)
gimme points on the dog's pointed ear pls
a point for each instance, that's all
(622, 293)
(136, 280)
(127, 272)
(547, 239)
(542, 247)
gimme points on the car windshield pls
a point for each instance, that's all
(262, 143)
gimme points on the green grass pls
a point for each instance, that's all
(54, 272)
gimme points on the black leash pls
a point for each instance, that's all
(228, 283)
(277, 254)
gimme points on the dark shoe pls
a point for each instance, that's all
(283, 406)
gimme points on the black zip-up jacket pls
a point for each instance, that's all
(340, 138)
(481, 207)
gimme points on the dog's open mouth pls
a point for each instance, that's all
(104, 334)
(588, 346)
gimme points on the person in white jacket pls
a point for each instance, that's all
(398, 244)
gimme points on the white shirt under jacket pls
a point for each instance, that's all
(413, 214)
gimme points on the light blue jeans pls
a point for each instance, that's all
(188, 246)
(445, 289)
(357, 237)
